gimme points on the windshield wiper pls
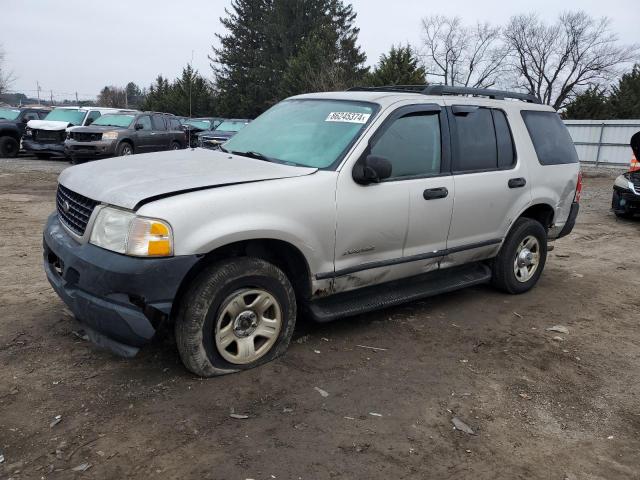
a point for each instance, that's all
(255, 155)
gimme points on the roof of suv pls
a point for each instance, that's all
(386, 96)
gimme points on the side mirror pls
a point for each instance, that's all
(139, 126)
(371, 169)
(89, 122)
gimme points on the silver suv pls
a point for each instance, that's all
(328, 205)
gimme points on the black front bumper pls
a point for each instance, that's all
(625, 201)
(37, 147)
(121, 300)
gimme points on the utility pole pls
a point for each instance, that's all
(51, 93)
(77, 102)
(38, 90)
(190, 82)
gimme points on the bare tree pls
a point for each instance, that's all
(555, 62)
(461, 55)
(6, 77)
(114, 97)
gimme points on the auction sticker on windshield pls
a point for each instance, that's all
(348, 117)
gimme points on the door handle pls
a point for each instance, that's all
(517, 182)
(433, 193)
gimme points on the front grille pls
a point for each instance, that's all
(49, 136)
(74, 210)
(86, 136)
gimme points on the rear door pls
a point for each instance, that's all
(491, 183)
(160, 135)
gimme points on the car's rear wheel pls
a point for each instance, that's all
(237, 314)
(522, 257)
(124, 149)
(9, 147)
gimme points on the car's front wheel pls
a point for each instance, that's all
(237, 314)
(522, 257)
(8, 147)
(125, 148)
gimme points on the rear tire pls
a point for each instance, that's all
(124, 149)
(237, 314)
(9, 147)
(522, 257)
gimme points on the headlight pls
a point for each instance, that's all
(124, 232)
(112, 135)
(623, 182)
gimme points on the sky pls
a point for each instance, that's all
(83, 45)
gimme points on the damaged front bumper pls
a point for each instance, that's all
(38, 147)
(120, 300)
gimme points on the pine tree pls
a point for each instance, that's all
(589, 105)
(624, 101)
(398, 67)
(277, 48)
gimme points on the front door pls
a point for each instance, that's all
(391, 230)
(144, 135)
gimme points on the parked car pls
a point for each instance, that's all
(45, 138)
(13, 122)
(328, 205)
(193, 126)
(626, 188)
(223, 132)
(119, 134)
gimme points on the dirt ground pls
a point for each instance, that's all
(541, 408)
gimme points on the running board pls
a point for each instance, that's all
(398, 292)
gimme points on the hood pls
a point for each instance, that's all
(133, 180)
(47, 125)
(95, 129)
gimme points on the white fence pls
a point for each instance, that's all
(603, 142)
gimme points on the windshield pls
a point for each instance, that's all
(9, 113)
(201, 124)
(75, 117)
(114, 120)
(228, 126)
(311, 133)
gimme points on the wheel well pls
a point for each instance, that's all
(541, 212)
(282, 254)
(10, 133)
(126, 140)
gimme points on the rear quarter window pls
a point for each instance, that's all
(550, 138)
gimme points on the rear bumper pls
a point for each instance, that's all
(37, 147)
(122, 300)
(571, 220)
(101, 149)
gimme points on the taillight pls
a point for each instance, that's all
(576, 198)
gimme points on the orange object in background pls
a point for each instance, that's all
(635, 164)
(635, 146)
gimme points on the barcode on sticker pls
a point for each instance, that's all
(349, 117)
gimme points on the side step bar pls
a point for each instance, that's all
(395, 293)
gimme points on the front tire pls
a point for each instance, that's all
(522, 257)
(237, 314)
(175, 146)
(124, 149)
(9, 147)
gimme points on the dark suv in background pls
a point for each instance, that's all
(223, 132)
(13, 122)
(194, 126)
(119, 134)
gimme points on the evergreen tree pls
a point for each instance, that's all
(589, 105)
(624, 101)
(276, 48)
(188, 95)
(135, 96)
(398, 67)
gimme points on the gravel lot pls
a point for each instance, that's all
(540, 408)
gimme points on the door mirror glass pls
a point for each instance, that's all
(139, 126)
(371, 169)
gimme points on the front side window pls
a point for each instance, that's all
(93, 116)
(305, 132)
(145, 121)
(74, 117)
(31, 116)
(412, 145)
(550, 137)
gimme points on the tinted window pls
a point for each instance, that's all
(174, 124)
(145, 121)
(158, 123)
(504, 141)
(92, 116)
(476, 140)
(412, 145)
(42, 114)
(31, 116)
(550, 138)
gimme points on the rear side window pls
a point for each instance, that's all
(476, 145)
(504, 141)
(158, 123)
(550, 138)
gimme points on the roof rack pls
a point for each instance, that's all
(450, 90)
